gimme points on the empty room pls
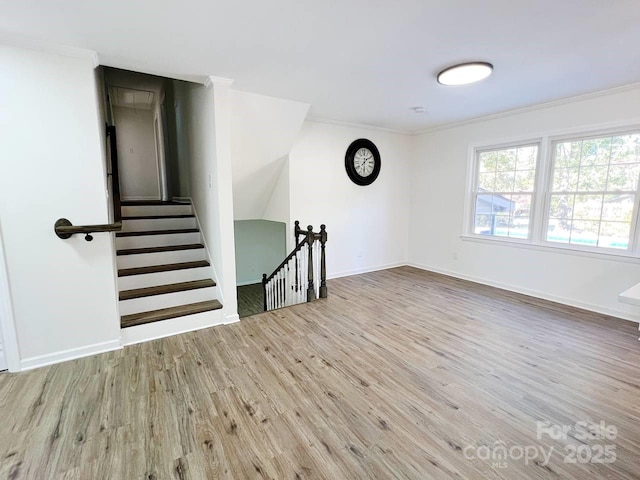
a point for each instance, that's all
(294, 240)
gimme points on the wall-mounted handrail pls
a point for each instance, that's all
(65, 229)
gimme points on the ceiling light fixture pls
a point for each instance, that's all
(465, 73)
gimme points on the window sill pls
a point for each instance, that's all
(615, 256)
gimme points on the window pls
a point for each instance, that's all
(577, 192)
(505, 180)
(593, 191)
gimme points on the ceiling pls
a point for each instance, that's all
(361, 61)
(131, 98)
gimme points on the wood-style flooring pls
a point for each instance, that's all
(250, 300)
(398, 374)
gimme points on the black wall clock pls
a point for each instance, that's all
(362, 162)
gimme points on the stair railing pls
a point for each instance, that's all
(65, 229)
(302, 275)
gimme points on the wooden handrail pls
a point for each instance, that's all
(287, 283)
(265, 278)
(65, 229)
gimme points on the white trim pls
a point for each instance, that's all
(212, 80)
(358, 271)
(171, 326)
(71, 354)
(527, 109)
(20, 41)
(560, 248)
(7, 322)
(533, 293)
(233, 318)
(207, 252)
(248, 282)
(362, 126)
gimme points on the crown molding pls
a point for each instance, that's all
(530, 108)
(340, 123)
(212, 80)
(20, 41)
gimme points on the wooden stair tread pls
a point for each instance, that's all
(157, 232)
(135, 203)
(167, 313)
(168, 288)
(167, 248)
(125, 272)
(155, 217)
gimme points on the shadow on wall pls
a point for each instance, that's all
(260, 247)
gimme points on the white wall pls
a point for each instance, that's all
(63, 293)
(263, 130)
(139, 174)
(206, 113)
(367, 226)
(260, 247)
(437, 206)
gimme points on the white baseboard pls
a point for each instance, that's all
(358, 271)
(170, 327)
(248, 282)
(66, 355)
(533, 293)
(234, 318)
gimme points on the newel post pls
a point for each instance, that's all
(323, 265)
(264, 291)
(311, 292)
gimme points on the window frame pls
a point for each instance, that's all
(542, 194)
(472, 189)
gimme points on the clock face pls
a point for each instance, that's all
(362, 162)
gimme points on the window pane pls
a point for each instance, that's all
(505, 184)
(596, 151)
(525, 181)
(587, 207)
(565, 180)
(519, 221)
(487, 182)
(623, 177)
(559, 230)
(526, 158)
(487, 162)
(614, 235)
(592, 179)
(562, 206)
(504, 181)
(506, 160)
(610, 168)
(568, 154)
(625, 149)
(618, 208)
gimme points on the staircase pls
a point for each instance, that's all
(165, 280)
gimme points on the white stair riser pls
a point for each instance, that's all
(163, 278)
(160, 258)
(172, 326)
(135, 210)
(158, 224)
(155, 302)
(142, 241)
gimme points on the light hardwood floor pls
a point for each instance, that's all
(397, 374)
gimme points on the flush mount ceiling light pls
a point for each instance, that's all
(465, 73)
